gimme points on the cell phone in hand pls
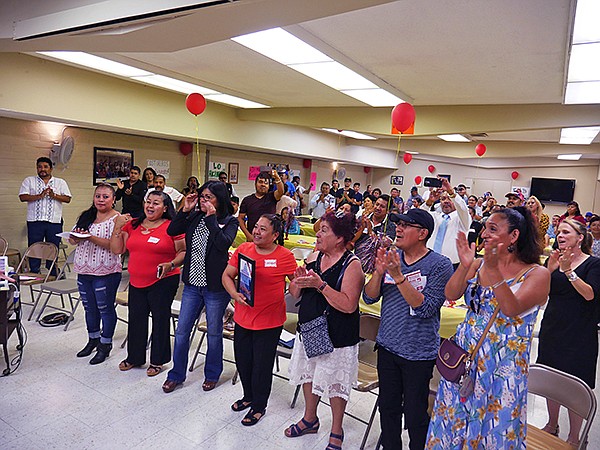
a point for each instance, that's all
(432, 182)
(159, 270)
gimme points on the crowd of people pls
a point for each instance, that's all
(411, 255)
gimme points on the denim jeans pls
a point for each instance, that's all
(98, 297)
(193, 300)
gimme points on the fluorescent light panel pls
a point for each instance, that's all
(583, 78)
(281, 46)
(287, 49)
(350, 134)
(97, 63)
(570, 157)
(578, 135)
(172, 84)
(453, 138)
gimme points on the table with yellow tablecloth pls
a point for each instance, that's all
(292, 241)
(449, 320)
(306, 229)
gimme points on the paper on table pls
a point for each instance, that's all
(68, 234)
(286, 339)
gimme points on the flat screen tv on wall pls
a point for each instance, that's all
(552, 190)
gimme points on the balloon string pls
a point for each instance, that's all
(398, 149)
(198, 144)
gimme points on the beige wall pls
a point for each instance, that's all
(587, 188)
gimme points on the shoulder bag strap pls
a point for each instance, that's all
(495, 314)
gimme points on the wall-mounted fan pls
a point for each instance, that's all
(62, 153)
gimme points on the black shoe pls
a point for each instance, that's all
(101, 354)
(89, 347)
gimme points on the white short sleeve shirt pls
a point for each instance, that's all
(45, 209)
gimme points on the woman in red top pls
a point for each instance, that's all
(258, 327)
(573, 212)
(154, 260)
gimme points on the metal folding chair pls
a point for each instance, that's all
(46, 252)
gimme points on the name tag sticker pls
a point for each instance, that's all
(153, 240)
(388, 279)
(270, 263)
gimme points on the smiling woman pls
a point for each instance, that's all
(99, 272)
(154, 260)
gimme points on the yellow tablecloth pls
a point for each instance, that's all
(293, 241)
(450, 317)
(306, 229)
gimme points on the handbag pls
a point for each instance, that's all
(314, 335)
(453, 362)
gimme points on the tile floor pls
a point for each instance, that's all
(55, 400)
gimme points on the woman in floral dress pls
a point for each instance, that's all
(494, 416)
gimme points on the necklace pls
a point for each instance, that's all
(148, 230)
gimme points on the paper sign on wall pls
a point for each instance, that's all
(253, 172)
(313, 181)
(214, 168)
(162, 167)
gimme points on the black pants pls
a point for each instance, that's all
(156, 299)
(403, 389)
(254, 357)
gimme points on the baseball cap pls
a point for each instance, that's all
(347, 179)
(512, 194)
(416, 216)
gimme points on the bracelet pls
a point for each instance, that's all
(322, 287)
(172, 265)
(403, 280)
(498, 284)
(572, 277)
(453, 195)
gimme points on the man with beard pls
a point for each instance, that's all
(132, 193)
(261, 202)
(45, 196)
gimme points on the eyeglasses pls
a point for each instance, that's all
(223, 179)
(403, 225)
(206, 197)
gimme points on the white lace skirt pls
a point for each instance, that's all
(331, 375)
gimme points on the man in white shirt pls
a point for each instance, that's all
(160, 185)
(321, 201)
(45, 196)
(452, 217)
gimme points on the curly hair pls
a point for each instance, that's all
(344, 226)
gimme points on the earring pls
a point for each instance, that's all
(510, 248)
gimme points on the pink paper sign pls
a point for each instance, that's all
(253, 172)
(313, 180)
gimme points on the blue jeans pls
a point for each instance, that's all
(193, 300)
(41, 231)
(98, 297)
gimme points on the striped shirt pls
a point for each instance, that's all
(411, 333)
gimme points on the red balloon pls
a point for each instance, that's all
(514, 175)
(306, 163)
(367, 169)
(407, 158)
(431, 168)
(418, 179)
(403, 116)
(480, 149)
(195, 103)
(185, 148)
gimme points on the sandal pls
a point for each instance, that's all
(553, 431)
(153, 370)
(126, 365)
(251, 419)
(294, 429)
(209, 385)
(339, 437)
(240, 405)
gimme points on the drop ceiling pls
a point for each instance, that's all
(435, 54)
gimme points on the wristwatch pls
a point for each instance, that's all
(572, 276)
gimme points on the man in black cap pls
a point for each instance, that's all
(346, 194)
(411, 279)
